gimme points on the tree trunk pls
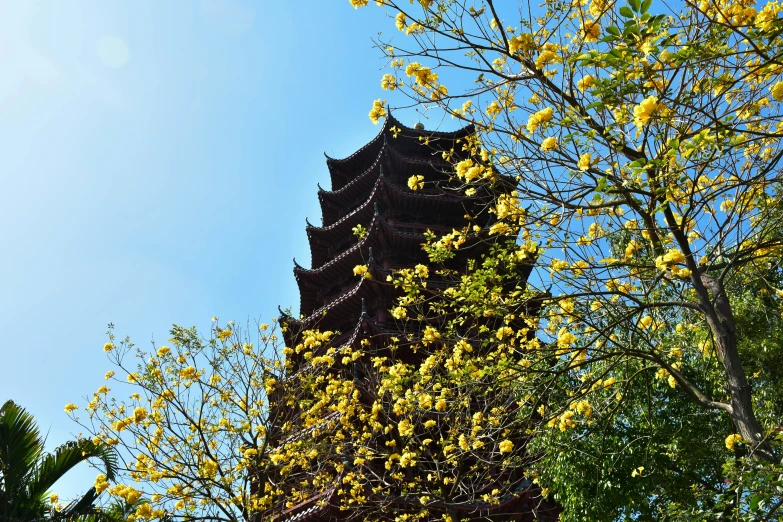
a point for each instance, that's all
(721, 321)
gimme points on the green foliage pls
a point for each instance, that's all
(27, 473)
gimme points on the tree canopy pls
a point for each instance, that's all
(634, 149)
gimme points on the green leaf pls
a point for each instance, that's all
(634, 5)
(626, 12)
(612, 29)
(646, 5)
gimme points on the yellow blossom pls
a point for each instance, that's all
(388, 82)
(416, 182)
(545, 58)
(70, 407)
(405, 428)
(399, 312)
(541, 117)
(777, 91)
(362, 271)
(549, 143)
(645, 110)
(400, 21)
(506, 446)
(378, 111)
(139, 414)
(732, 440)
(585, 161)
(101, 483)
(522, 42)
(585, 83)
(591, 31)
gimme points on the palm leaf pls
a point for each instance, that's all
(54, 465)
(20, 448)
(20, 444)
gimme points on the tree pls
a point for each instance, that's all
(27, 473)
(218, 428)
(642, 142)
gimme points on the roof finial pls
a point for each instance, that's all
(364, 308)
(419, 126)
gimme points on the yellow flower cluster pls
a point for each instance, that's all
(549, 143)
(591, 30)
(777, 91)
(645, 110)
(101, 483)
(422, 74)
(585, 83)
(416, 182)
(362, 271)
(672, 257)
(129, 494)
(546, 58)
(378, 111)
(536, 119)
(585, 162)
(521, 42)
(468, 170)
(732, 441)
(389, 82)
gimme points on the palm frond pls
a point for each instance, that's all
(20, 448)
(54, 465)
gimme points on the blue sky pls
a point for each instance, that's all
(158, 163)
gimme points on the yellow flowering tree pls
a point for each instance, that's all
(216, 428)
(634, 149)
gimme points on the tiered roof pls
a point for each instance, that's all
(369, 188)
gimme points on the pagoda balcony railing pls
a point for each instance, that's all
(335, 251)
(420, 229)
(330, 298)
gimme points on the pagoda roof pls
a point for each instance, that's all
(396, 167)
(391, 153)
(342, 170)
(338, 311)
(388, 195)
(381, 233)
(392, 195)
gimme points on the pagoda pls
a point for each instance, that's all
(371, 217)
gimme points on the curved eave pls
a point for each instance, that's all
(349, 188)
(343, 307)
(398, 198)
(336, 224)
(340, 169)
(380, 233)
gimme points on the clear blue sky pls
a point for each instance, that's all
(158, 163)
